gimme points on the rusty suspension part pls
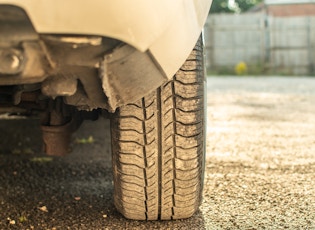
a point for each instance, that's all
(58, 124)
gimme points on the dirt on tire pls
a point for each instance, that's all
(158, 148)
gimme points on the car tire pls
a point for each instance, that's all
(158, 147)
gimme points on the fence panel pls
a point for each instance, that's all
(234, 38)
(289, 44)
(276, 44)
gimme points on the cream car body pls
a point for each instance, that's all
(168, 29)
(137, 62)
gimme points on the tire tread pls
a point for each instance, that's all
(158, 144)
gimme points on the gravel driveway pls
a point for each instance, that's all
(260, 153)
(260, 166)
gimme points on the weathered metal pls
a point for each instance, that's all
(58, 123)
(60, 85)
(167, 29)
(52, 60)
(57, 138)
(11, 61)
(22, 58)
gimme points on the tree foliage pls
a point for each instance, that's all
(225, 6)
(245, 5)
(220, 6)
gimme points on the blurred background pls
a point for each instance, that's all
(261, 37)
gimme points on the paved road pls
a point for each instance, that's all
(260, 166)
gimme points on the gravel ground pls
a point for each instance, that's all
(260, 153)
(260, 166)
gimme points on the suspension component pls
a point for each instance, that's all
(58, 124)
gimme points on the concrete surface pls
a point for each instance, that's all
(260, 166)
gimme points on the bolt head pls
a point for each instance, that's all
(11, 61)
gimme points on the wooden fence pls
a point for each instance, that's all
(275, 45)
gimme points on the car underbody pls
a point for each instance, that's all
(84, 73)
(146, 76)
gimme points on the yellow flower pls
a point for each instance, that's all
(241, 68)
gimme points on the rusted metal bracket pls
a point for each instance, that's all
(57, 127)
(57, 138)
